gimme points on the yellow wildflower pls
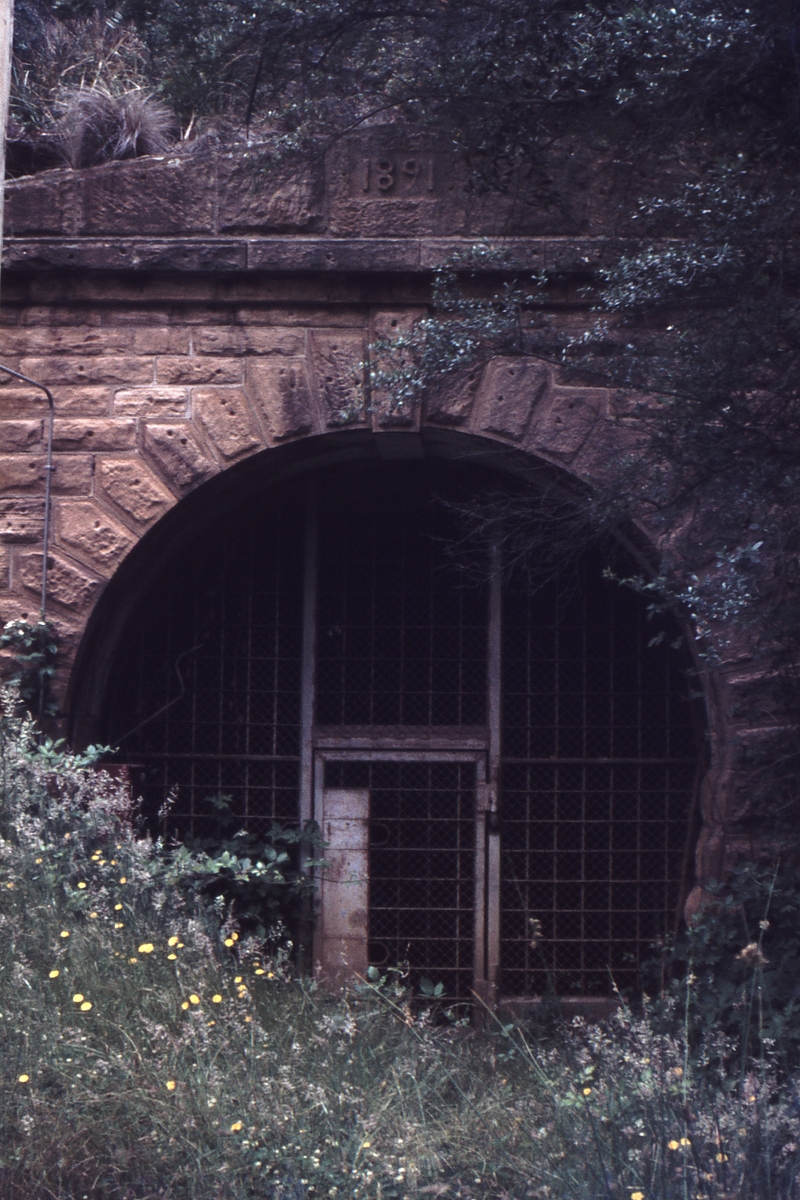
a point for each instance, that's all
(93, 914)
(171, 1085)
(722, 1158)
(81, 885)
(673, 1145)
(87, 1004)
(236, 1126)
(237, 979)
(685, 1142)
(248, 1019)
(24, 1078)
(64, 933)
(637, 1195)
(146, 948)
(9, 885)
(134, 959)
(173, 941)
(54, 974)
(117, 907)
(587, 1091)
(216, 999)
(260, 971)
(39, 860)
(124, 879)
(172, 957)
(118, 925)
(235, 937)
(185, 1004)
(180, 945)
(229, 942)
(77, 998)
(193, 999)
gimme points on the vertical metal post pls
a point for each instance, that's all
(307, 678)
(309, 653)
(493, 815)
(49, 469)
(488, 829)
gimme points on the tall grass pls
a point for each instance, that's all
(149, 1051)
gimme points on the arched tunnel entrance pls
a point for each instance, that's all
(504, 773)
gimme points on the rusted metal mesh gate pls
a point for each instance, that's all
(598, 749)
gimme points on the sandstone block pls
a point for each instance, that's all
(132, 486)
(103, 369)
(569, 420)
(452, 403)
(386, 327)
(509, 391)
(21, 472)
(224, 415)
(198, 370)
(172, 340)
(72, 475)
(43, 204)
(240, 339)
(177, 451)
(66, 584)
(93, 435)
(278, 202)
(21, 520)
(149, 195)
(152, 401)
(339, 365)
(281, 392)
(76, 339)
(78, 401)
(85, 528)
(19, 435)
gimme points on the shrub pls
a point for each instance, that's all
(95, 126)
(150, 1049)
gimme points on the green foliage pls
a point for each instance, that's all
(147, 1049)
(738, 966)
(260, 875)
(35, 650)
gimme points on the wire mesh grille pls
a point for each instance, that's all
(401, 640)
(205, 694)
(421, 867)
(595, 836)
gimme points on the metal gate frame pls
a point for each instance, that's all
(487, 851)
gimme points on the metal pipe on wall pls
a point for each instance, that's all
(49, 468)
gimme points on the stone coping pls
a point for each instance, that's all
(301, 254)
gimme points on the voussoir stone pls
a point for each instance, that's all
(179, 454)
(134, 488)
(85, 528)
(282, 393)
(339, 363)
(225, 418)
(509, 391)
(66, 584)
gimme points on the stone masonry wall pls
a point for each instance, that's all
(187, 316)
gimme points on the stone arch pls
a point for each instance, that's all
(229, 490)
(168, 524)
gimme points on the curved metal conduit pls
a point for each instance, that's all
(49, 468)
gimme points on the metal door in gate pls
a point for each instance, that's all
(411, 880)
